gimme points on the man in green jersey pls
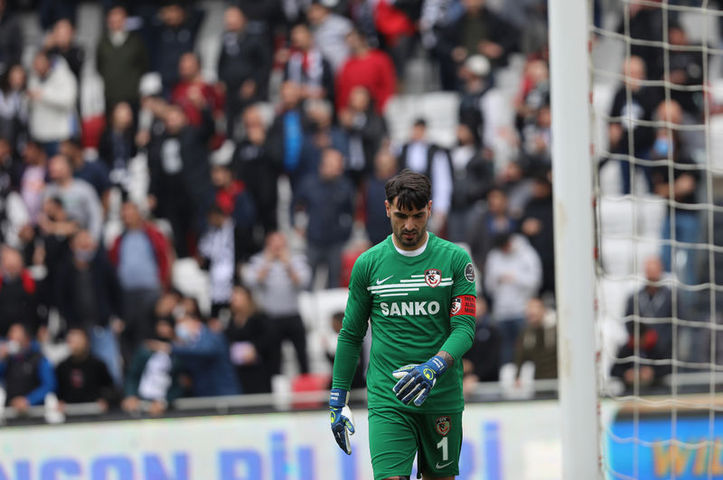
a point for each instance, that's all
(418, 293)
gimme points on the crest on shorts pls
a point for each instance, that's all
(442, 425)
(456, 306)
(433, 277)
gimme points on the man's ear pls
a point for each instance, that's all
(388, 207)
(429, 208)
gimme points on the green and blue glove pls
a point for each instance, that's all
(342, 421)
(416, 381)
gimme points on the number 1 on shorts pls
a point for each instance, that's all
(444, 445)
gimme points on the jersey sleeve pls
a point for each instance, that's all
(354, 327)
(462, 307)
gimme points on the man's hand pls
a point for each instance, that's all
(342, 421)
(416, 381)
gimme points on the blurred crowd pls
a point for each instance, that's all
(300, 95)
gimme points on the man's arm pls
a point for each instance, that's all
(462, 310)
(356, 316)
(48, 384)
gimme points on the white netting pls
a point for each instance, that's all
(657, 93)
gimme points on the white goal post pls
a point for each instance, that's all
(574, 233)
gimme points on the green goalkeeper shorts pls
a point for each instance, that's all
(396, 435)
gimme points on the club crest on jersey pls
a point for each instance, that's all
(442, 425)
(456, 306)
(433, 277)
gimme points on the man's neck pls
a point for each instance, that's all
(420, 245)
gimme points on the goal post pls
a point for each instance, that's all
(574, 237)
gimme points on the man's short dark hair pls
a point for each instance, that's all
(411, 190)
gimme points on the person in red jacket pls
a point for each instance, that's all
(368, 67)
(142, 257)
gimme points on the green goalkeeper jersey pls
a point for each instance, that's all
(417, 306)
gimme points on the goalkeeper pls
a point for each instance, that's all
(418, 291)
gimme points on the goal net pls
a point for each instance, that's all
(656, 69)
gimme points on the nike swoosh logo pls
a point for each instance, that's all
(379, 282)
(438, 466)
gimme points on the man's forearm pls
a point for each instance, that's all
(449, 359)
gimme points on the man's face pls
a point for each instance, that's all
(408, 226)
(59, 168)
(188, 67)
(301, 37)
(77, 342)
(18, 334)
(116, 20)
(130, 215)
(41, 65)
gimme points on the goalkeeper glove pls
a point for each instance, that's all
(342, 421)
(416, 381)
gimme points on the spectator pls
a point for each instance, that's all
(32, 181)
(517, 185)
(534, 93)
(475, 30)
(328, 200)
(650, 332)
(117, 145)
(194, 95)
(473, 175)
(321, 133)
(18, 301)
(537, 141)
(121, 60)
(423, 156)
(512, 276)
(28, 376)
(204, 354)
(142, 258)
(678, 185)
(645, 25)
(493, 221)
(537, 225)
(88, 297)
(376, 221)
(329, 30)
(686, 69)
(366, 130)
(366, 67)
(217, 251)
(13, 214)
(94, 173)
(11, 38)
(474, 104)
(82, 377)
(55, 230)
(234, 200)
(180, 188)
(307, 67)
(625, 129)
(174, 33)
(256, 165)
(249, 333)
(538, 342)
(244, 66)
(53, 92)
(14, 106)
(276, 277)
(153, 376)
(286, 133)
(77, 196)
(61, 42)
(482, 360)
